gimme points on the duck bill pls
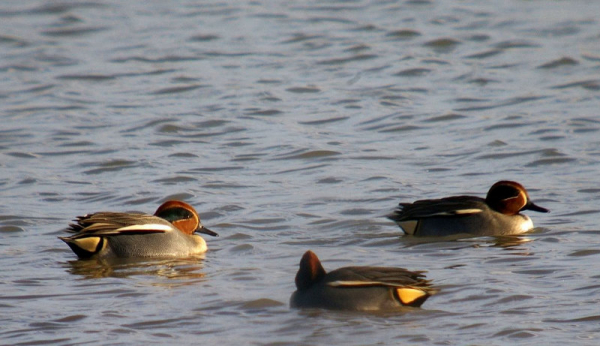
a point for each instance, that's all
(534, 207)
(205, 230)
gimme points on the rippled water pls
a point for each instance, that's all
(293, 126)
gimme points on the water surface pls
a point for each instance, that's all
(293, 126)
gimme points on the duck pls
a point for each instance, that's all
(170, 232)
(358, 288)
(499, 214)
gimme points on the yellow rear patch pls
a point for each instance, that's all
(408, 226)
(89, 244)
(409, 295)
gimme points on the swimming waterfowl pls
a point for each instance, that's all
(496, 215)
(357, 288)
(170, 232)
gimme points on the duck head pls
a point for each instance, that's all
(510, 197)
(310, 272)
(183, 216)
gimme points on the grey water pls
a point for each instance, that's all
(296, 125)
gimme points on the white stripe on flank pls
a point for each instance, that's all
(355, 283)
(453, 212)
(146, 227)
(467, 211)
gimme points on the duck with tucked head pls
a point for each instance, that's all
(496, 215)
(358, 288)
(170, 232)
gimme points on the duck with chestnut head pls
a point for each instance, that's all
(498, 214)
(170, 232)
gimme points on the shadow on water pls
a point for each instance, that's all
(189, 270)
(460, 241)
